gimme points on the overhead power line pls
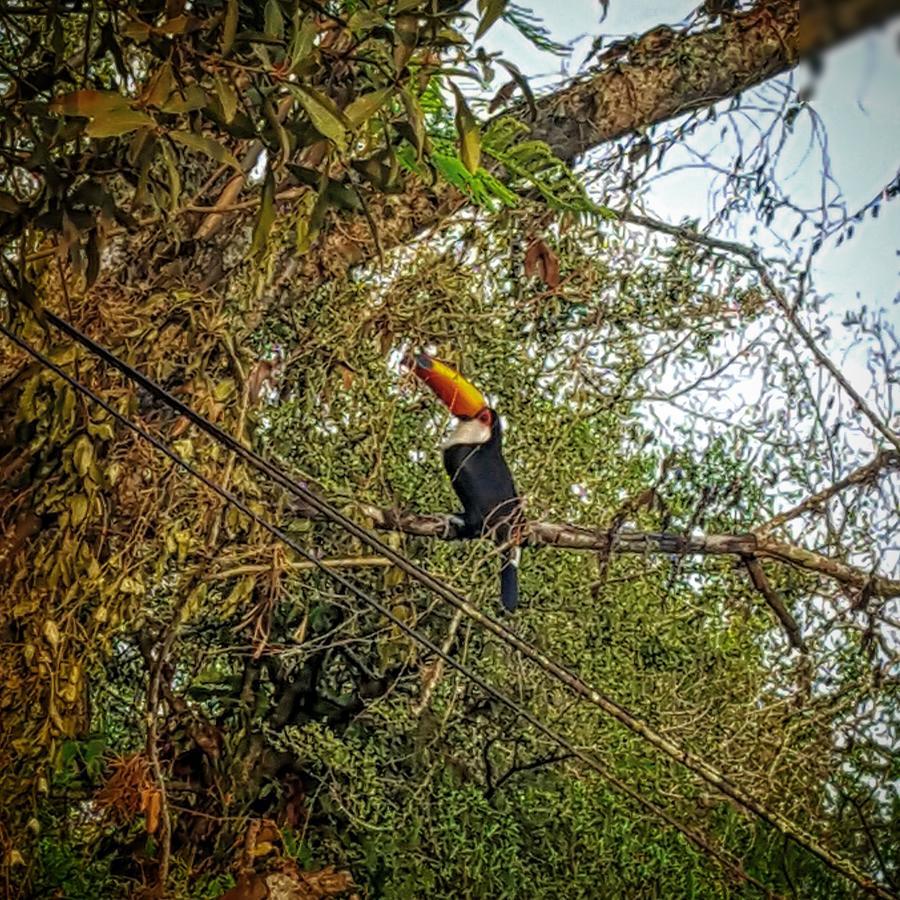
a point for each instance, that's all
(558, 671)
(228, 496)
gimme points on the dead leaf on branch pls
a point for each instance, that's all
(542, 262)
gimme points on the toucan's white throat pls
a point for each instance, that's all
(471, 432)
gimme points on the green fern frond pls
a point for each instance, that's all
(534, 167)
(482, 188)
(533, 29)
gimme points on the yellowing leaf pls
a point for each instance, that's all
(89, 104)
(120, 121)
(51, 632)
(190, 98)
(469, 136)
(227, 97)
(229, 26)
(78, 507)
(83, 455)
(161, 86)
(325, 116)
(207, 146)
(363, 108)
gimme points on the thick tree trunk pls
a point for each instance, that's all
(664, 74)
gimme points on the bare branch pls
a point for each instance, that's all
(883, 461)
(776, 604)
(789, 311)
(575, 537)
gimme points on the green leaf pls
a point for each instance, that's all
(266, 217)
(229, 26)
(173, 173)
(327, 119)
(274, 20)
(89, 104)
(469, 135)
(207, 146)
(363, 108)
(308, 228)
(416, 120)
(490, 10)
(227, 97)
(303, 44)
(119, 121)
(181, 101)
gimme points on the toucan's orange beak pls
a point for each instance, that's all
(464, 400)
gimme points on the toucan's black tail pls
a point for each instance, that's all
(509, 577)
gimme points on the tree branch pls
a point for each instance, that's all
(781, 301)
(667, 73)
(884, 460)
(575, 537)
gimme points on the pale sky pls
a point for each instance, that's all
(856, 98)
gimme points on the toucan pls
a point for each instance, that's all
(473, 458)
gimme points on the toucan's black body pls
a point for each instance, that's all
(482, 481)
(474, 461)
(491, 505)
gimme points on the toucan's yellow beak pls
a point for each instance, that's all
(464, 400)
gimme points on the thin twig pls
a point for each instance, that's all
(781, 301)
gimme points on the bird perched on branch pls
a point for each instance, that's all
(473, 458)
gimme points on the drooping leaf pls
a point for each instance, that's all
(542, 262)
(207, 146)
(522, 82)
(173, 173)
(266, 215)
(120, 121)
(364, 107)
(406, 29)
(229, 26)
(490, 10)
(227, 97)
(416, 120)
(327, 119)
(469, 135)
(92, 249)
(308, 227)
(89, 104)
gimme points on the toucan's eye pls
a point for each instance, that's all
(486, 417)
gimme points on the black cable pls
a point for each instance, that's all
(464, 670)
(560, 672)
